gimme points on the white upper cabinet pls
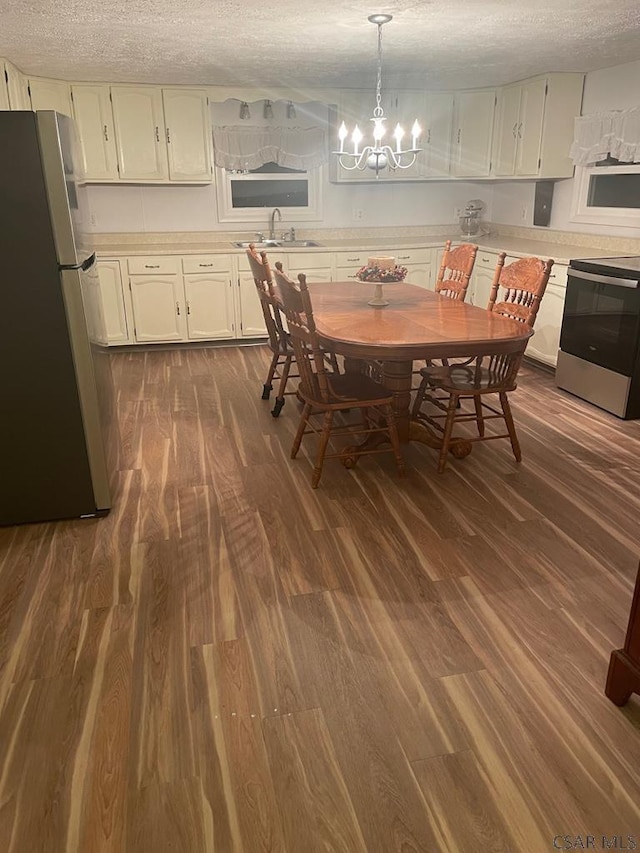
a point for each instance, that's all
(50, 95)
(140, 133)
(534, 126)
(4, 87)
(472, 133)
(188, 134)
(436, 135)
(16, 87)
(94, 118)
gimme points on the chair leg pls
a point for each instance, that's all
(417, 403)
(322, 449)
(448, 429)
(304, 417)
(267, 388)
(279, 403)
(395, 441)
(479, 417)
(508, 417)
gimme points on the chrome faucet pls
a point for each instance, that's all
(272, 222)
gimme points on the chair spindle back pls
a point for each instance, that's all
(455, 270)
(524, 282)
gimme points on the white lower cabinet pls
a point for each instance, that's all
(159, 311)
(418, 264)
(543, 346)
(113, 302)
(209, 303)
(251, 319)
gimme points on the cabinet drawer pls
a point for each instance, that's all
(303, 261)
(153, 264)
(411, 256)
(358, 259)
(206, 263)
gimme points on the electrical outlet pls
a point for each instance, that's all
(523, 213)
(457, 212)
(358, 213)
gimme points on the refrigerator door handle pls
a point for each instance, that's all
(84, 266)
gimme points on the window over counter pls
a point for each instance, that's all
(606, 152)
(277, 159)
(608, 193)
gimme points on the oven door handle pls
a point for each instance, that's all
(604, 279)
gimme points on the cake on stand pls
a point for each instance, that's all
(380, 271)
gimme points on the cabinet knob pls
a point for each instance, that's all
(157, 134)
(178, 308)
(188, 308)
(105, 132)
(515, 129)
(205, 265)
(353, 260)
(152, 266)
(459, 134)
(520, 131)
(168, 136)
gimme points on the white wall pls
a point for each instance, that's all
(144, 208)
(615, 88)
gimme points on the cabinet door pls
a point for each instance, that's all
(473, 132)
(94, 118)
(507, 131)
(419, 274)
(113, 302)
(17, 87)
(530, 126)
(436, 139)
(158, 307)
(250, 313)
(544, 344)
(404, 109)
(209, 300)
(4, 88)
(50, 95)
(140, 133)
(481, 290)
(188, 134)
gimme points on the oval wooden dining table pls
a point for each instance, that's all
(416, 325)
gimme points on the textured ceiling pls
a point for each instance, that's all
(297, 43)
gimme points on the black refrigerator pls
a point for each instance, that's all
(58, 437)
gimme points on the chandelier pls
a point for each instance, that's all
(378, 156)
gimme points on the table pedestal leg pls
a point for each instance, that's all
(397, 377)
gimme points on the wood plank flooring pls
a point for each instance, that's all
(233, 662)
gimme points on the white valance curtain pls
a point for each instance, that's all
(615, 134)
(242, 147)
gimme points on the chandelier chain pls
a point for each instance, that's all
(378, 111)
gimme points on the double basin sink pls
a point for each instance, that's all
(276, 244)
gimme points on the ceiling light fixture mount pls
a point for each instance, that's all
(378, 156)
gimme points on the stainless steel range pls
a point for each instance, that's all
(599, 358)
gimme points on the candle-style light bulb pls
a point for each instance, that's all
(378, 129)
(398, 134)
(342, 135)
(356, 138)
(415, 134)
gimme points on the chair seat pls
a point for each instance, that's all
(466, 378)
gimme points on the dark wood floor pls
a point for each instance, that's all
(233, 662)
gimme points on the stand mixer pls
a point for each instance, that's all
(470, 221)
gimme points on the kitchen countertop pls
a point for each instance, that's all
(515, 246)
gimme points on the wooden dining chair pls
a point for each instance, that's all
(455, 270)
(443, 387)
(326, 393)
(282, 354)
